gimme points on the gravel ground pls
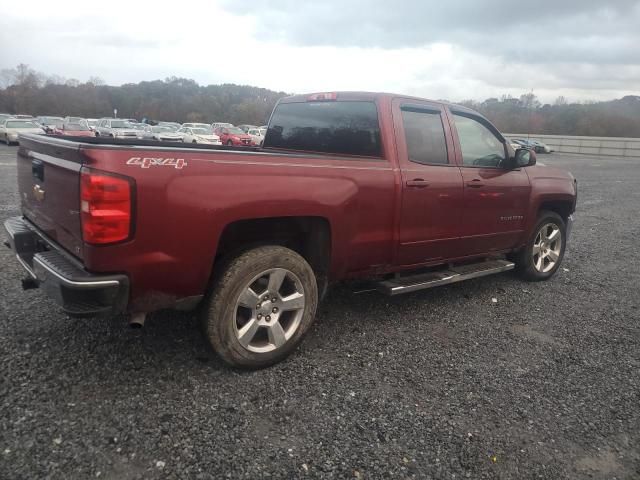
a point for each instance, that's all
(544, 383)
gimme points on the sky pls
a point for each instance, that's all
(454, 49)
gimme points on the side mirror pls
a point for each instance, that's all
(524, 158)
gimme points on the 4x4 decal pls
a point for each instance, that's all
(148, 162)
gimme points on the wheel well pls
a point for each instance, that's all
(308, 236)
(562, 208)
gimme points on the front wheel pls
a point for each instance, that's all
(544, 251)
(261, 305)
(229, 143)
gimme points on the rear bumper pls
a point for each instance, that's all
(78, 292)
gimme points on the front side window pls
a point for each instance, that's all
(424, 134)
(349, 128)
(480, 147)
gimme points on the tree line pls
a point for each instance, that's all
(25, 91)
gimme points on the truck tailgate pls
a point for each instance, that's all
(48, 185)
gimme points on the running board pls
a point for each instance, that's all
(413, 283)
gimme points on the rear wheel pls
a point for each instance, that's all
(194, 141)
(229, 143)
(261, 305)
(544, 251)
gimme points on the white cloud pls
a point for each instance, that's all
(134, 41)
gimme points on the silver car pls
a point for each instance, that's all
(12, 127)
(165, 134)
(115, 128)
(144, 131)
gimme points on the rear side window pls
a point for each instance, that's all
(424, 134)
(349, 128)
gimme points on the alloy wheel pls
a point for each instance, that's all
(269, 310)
(547, 247)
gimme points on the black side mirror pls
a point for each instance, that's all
(524, 158)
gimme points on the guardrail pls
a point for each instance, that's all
(602, 146)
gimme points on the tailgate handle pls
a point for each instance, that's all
(37, 169)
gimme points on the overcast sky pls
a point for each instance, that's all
(454, 49)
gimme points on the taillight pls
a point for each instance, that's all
(105, 207)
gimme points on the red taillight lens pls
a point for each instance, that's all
(105, 207)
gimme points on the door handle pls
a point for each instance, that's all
(417, 183)
(476, 183)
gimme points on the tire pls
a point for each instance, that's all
(194, 141)
(229, 143)
(226, 312)
(529, 264)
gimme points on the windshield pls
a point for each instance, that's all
(202, 131)
(92, 123)
(14, 124)
(78, 127)
(235, 131)
(161, 129)
(120, 124)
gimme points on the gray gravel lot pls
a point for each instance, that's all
(545, 383)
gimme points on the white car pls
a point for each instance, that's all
(12, 127)
(256, 135)
(199, 135)
(221, 125)
(196, 125)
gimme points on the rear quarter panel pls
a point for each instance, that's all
(180, 213)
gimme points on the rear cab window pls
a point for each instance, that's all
(333, 127)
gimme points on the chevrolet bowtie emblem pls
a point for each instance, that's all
(38, 192)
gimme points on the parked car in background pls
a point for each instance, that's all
(521, 143)
(92, 123)
(4, 116)
(74, 130)
(233, 136)
(75, 120)
(196, 125)
(221, 124)
(173, 125)
(199, 135)
(540, 147)
(50, 123)
(12, 127)
(246, 128)
(256, 135)
(144, 131)
(164, 133)
(24, 117)
(115, 127)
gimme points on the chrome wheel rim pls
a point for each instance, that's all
(269, 310)
(547, 247)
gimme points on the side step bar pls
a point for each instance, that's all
(423, 281)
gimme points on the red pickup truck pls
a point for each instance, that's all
(406, 192)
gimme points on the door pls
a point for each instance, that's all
(496, 196)
(432, 192)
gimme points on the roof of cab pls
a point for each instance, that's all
(373, 96)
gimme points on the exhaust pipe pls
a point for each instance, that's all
(137, 320)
